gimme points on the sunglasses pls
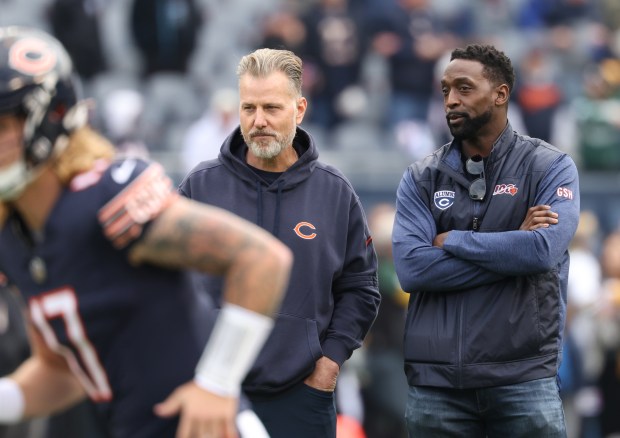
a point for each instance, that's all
(478, 188)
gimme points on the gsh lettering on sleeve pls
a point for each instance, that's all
(563, 192)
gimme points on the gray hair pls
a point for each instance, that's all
(263, 62)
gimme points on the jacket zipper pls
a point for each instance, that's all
(476, 223)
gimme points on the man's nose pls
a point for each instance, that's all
(260, 120)
(451, 99)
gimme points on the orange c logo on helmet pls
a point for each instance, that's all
(301, 225)
(32, 56)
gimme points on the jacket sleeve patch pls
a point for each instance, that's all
(564, 192)
(123, 218)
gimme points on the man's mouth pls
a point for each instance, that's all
(455, 117)
(261, 134)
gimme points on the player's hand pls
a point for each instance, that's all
(203, 414)
(324, 375)
(539, 216)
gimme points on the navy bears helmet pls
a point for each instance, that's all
(37, 81)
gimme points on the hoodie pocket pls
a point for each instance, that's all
(288, 356)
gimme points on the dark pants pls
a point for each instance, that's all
(300, 412)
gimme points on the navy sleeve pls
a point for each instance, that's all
(141, 192)
(356, 291)
(528, 252)
(420, 266)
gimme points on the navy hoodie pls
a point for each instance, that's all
(333, 294)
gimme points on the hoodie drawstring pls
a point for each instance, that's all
(259, 204)
(276, 221)
(259, 207)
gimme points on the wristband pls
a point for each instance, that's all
(11, 401)
(233, 346)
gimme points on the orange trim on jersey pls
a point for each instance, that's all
(123, 217)
(89, 178)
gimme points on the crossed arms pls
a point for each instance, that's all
(458, 259)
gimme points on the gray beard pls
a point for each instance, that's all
(273, 148)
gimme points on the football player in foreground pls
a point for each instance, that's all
(103, 251)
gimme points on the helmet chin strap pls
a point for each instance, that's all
(77, 116)
(14, 179)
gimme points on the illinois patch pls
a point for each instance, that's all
(443, 199)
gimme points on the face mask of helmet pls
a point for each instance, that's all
(37, 81)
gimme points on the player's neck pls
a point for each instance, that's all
(38, 199)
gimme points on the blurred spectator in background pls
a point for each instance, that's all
(76, 24)
(282, 30)
(550, 13)
(609, 324)
(121, 113)
(333, 51)
(611, 13)
(598, 117)
(411, 38)
(572, 32)
(165, 32)
(204, 137)
(580, 363)
(493, 20)
(385, 384)
(537, 93)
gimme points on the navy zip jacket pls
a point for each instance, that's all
(489, 307)
(333, 295)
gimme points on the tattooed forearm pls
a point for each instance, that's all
(214, 241)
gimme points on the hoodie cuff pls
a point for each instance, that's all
(336, 351)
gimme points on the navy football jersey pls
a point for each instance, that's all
(131, 334)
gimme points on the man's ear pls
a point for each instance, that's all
(503, 93)
(302, 104)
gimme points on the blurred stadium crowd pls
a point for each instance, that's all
(161, 74)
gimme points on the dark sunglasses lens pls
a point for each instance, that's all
(475, 165)
(478, 189)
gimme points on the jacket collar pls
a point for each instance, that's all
(501, 147)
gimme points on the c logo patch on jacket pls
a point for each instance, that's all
(299, 230)
(443, 199)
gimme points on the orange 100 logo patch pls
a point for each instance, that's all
(32, 56)
(304, 234)
(505, 189)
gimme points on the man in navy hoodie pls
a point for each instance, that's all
(268, 172)
(481, 242)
